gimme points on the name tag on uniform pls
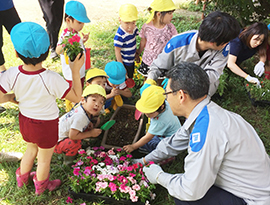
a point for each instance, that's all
(196, 137)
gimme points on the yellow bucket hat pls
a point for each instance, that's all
(161, 5)
(128, 13)
(152, 98)
(94, 89)
(95, 72)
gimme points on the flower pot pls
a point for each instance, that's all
(126, 129)
(256, 103)
(92, 197)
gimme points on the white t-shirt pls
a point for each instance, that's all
(75, 119)
(35, 91)
(65, 67)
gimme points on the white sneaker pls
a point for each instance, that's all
(10, 156)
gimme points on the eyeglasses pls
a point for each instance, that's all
(173, 91)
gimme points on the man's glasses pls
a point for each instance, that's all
(173, 91)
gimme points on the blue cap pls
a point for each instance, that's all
(268, 27)
(116, 72)
(30, 39)
(77, 10)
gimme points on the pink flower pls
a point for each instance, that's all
(69, 200)
(136, 187)
(129, 168)
(65, 31)
(133, 198)
(118, 149)
(102, 154)
(95, 148)
(94, 161)
(129, 156)
(132, 192)
(111, 152)
(82, 151)
(132, 174)
(70, 41)
(111, 177)
(122, 158)
(132, 180)
(113, 187)
(87, 171)
(76, 171)
(101, 177)
(83, 204)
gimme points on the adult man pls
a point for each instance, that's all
(226, 160)
(53, 11)
(208, 47)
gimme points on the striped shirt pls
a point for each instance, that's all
(127, 43)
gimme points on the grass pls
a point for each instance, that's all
(233, 98)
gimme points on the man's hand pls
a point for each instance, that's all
(152, 173)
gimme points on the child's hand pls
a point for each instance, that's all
(128, 148)
(77, 63)
(95, 132)
(115, 91)
(12, 98)
(137, 58)
(85, 37)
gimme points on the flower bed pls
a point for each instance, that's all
(110, 174)
(259, 95)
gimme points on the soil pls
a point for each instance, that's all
(125, 128)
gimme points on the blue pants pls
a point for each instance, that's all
(152, 144)
(214, 196)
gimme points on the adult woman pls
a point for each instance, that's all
(251, 40)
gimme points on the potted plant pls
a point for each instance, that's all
(71, 45)
(259, 95)
(109, 175)
(126, 129)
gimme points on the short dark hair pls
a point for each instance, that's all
(68, 16)
(219, 27)
(190, 78)
(258, 28)
(33, 61)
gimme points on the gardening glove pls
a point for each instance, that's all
(152, 173)
(146, 84)
(253, 80)
(136, 161)
(165, 83)
(259, 68)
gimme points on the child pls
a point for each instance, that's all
(163, 122)
(155, 33)
(36, 90)
(125, 37)
(116, 82)
(74, 125)
(75, 17)
(96, 76)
